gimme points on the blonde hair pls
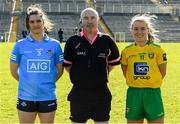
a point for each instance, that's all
(149, 21)
(37, 10)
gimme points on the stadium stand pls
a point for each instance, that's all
(170, 2)
(5, 22)
(116, 13)
(169, 29)
(5, 18)
(65, 21)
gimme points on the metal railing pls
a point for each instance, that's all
(112, 8)
(4, 7)
(108, 7)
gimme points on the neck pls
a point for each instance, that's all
(90, 33)
(38, 37)
(141, 43)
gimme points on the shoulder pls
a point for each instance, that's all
(103, 35)
(21, 42)
(129, 46)
(53, 42)
(106, 38)
(154, 44)
(74, 39)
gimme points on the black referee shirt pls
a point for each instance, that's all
(89, 63)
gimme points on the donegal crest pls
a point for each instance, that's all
(151, 55)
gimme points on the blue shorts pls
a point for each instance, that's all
(36, 106)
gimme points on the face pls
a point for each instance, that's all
(139, 31)
(36, 25)
(90, 20)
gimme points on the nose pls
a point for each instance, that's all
(139, 31)
(89, 20)
(36, 23)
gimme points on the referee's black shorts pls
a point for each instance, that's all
(98, 111)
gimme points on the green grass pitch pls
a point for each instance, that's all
(170, 89)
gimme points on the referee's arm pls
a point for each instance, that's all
(68, 55)
(114, 57)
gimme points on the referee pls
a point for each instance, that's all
(89, 57)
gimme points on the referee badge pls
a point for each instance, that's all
(151, 55)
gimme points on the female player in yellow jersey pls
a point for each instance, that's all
(144, 67)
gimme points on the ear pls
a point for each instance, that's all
(99, 18)
(43, 21)
(131, 31)
(80, 21)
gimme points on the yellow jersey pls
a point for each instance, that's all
(142, 65)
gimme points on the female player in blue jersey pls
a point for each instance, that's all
(36, 63)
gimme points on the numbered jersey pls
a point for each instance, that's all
(37, 67)
(142, 65)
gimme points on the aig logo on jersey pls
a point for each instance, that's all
(38, 66)
(141, 69)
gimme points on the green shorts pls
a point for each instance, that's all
(144, 103)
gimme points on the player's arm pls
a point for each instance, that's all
(14, 69)
(60, 70)
(59, 61)
(162, 69)
(162, 62)
(68, 69)
(124, 62)
(110, 68)
(15, 61)
(124, 68)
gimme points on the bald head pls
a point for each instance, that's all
(85, 11)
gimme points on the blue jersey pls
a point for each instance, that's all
(37, 67)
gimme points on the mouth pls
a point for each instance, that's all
(90, 25)
(37, 28)
(139, 35)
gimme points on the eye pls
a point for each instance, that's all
(85, 18)
(33, 21)
(143, 28)
(39, 20)
(93, 17)
(136, 29)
